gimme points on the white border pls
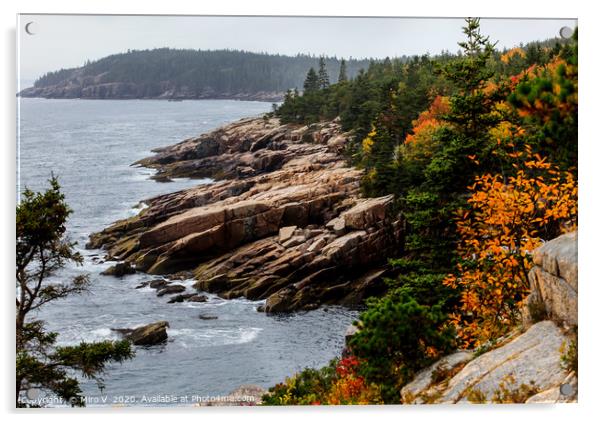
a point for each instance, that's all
(589, 157)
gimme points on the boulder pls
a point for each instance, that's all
(146, 335)
(119, 270)
(180, 298)
(158, 284)
(279, 301)
(172, 289)
(553, 281)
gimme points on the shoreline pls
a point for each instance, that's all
(250, 98)
(284, 220)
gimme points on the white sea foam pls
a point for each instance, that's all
(102, 332)
(137, 209)
(215, 336)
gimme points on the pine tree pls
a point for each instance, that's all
(41, 252)
(343, 71)
(311, 83)
(472, 107)
(323, 80)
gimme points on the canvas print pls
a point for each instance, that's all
(278, 211)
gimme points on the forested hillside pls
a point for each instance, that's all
(171, 73)
(480, 152)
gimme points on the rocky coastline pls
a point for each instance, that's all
(91, 89)
(284, 220)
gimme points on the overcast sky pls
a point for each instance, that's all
(61, 41)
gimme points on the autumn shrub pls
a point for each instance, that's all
(351, 388)
(335, 384)
(506, 219)
(310, 386)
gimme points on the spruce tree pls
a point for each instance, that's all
(343, 71)
(311, 83)
(323, 80)
(471, 106)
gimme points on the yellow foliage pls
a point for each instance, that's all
(517, 51)
(368, 141)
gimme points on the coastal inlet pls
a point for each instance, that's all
(213, 347)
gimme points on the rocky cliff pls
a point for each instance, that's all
(533, 364)
(284, 222)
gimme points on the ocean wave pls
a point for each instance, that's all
(214, 336)
(137, 209)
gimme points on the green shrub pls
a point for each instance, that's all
(400, 336)
(307, 387)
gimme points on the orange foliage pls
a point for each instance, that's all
(351, 388)
(517, 51)
(498, 234)
(428, 121)
(560, 104)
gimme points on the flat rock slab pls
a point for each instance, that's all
(286, 233)
(423, 379)
(534, 356)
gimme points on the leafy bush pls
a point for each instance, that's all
(505, 222)
(398, 337)
(337, 383)
(309, 386)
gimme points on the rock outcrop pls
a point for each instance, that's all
(119, 270)
(553, 281)
(526, 366)
(285, 222)
(146, 335)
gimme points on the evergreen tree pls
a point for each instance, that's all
(343, 71)
(430, 206)
(323, 80)
(472, 107)
(311, 83)
(41, 251)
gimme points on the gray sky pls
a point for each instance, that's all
(68, 41)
